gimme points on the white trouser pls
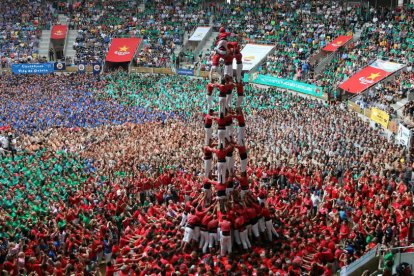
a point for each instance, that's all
(239, 69)
(99, 257)
(222, 104)
(229, 98)
(243, 164)
(108, 257)
(262, 225)
(249, 230)
(242, 193)
(228, 132)
(255, 230)
(207, 167)
(208, 193)
(225, 243)
(228, 70)
(188, 234)
(209, 133)
(241, 133)
(183, 219)
(203, 240)
(239, 101)
(214, 69)
(237, 237)
(245, 239)
(270, 230)
(221, 135)
(230, 163)
(221, 171)
(209, 102)
(212, 239)
(196, 234)
(229, 191)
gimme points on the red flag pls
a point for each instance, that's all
(370, 75)
(337, 43)
(363, 79)
(122, 49)
(59, 32)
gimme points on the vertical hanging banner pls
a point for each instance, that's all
(403, 136)
(59, 32)
(97, 68)
(122, 49)
(60, 66)
(81, 68)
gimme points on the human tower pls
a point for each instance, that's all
(227, 141)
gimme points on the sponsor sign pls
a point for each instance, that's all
(380, 117)
(297, 86)
(33, 68)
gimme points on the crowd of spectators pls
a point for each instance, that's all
(161, 25)
(21, 24)
(78, 193)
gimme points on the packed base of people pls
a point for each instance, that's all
(124, 173)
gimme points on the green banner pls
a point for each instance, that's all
(297, 86)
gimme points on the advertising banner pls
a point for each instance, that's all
(33, 68)
(370, 75)
(253, 54)
(337, 43)
(403, 135)
(122, 49)
(187, 72)
(199, 34)
(380, 117)
(59, 32)
(297, 86)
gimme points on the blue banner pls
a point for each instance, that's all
(97, 67)
(187, 72)
(33, 68)
(81, 68)
(60, 66)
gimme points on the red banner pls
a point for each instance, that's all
(122, 49)
(364, 79)
(337, 43)
(59, 32)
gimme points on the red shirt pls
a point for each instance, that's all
(240, 89)
(210, 88)
(212, 224)
(208, 120)
(225, 225)
(240, 119)
(193, 219)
